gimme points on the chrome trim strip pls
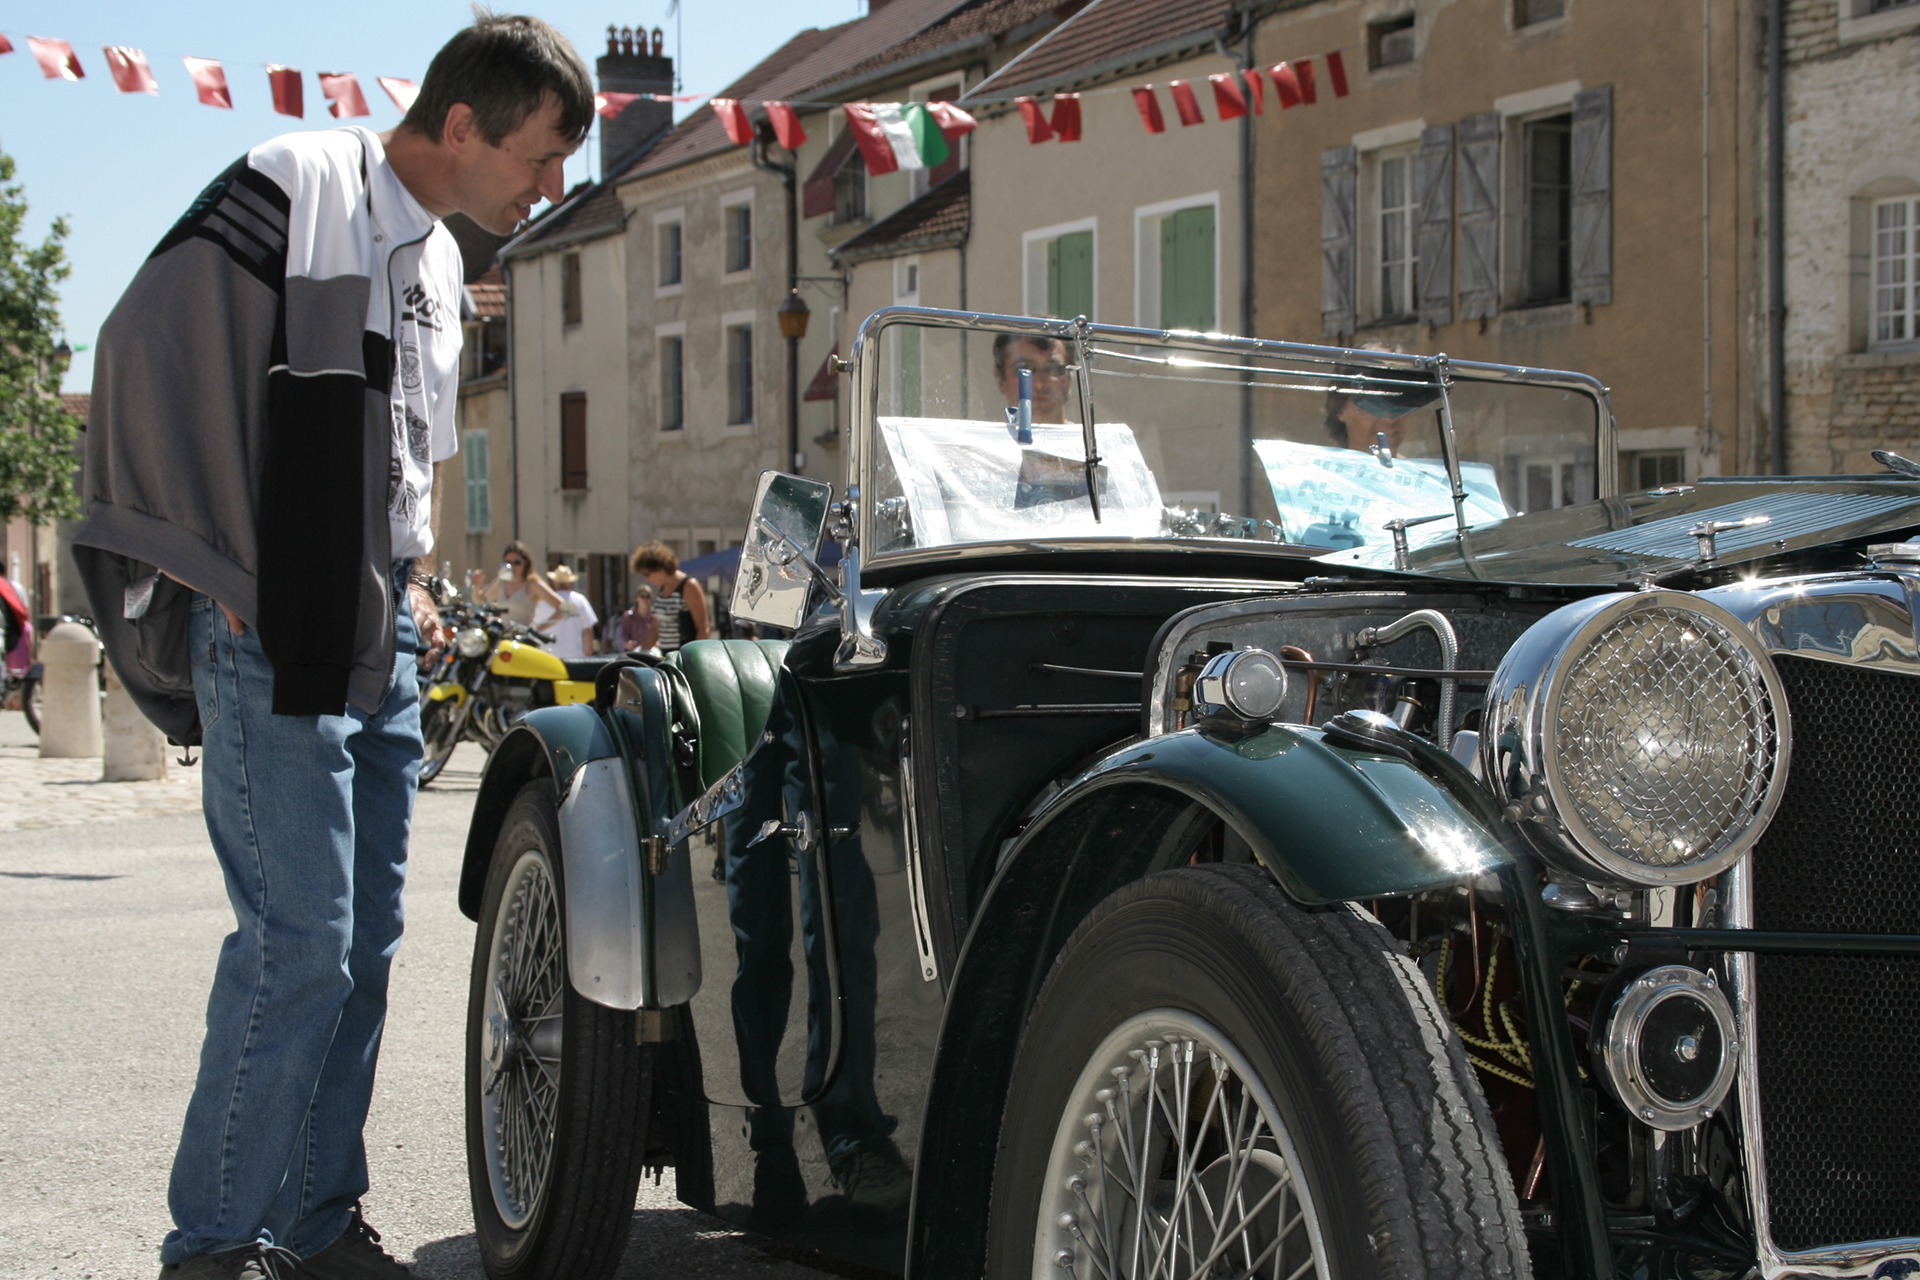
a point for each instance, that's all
(1853, 619)
(916, 890)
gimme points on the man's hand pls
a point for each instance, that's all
(426, 620)
(234, 624)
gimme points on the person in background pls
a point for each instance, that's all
(572, 632)
(1046, 358)
(1359, 415)
(517, 586)
(638, 630)
(679, 602)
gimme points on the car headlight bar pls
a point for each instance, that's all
(1639, 739)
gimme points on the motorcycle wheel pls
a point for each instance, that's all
(557, 1091)
(439, 735)
(30, 699)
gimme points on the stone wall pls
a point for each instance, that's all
(1853, 132)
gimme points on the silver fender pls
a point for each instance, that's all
(604, 869)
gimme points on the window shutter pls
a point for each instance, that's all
(1186, 269)
(573, 440)
(479, 487)
(1070, 275)
(1339, 179)
(1592, 249)
(1433, 193)
(570, 310)
(1479, 216)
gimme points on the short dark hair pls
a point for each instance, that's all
(654, 555)
(1004, 343)
(504, 66)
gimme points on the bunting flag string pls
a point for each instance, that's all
(890, 135)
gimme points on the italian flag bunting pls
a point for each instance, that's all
(928, 141)
(909, 136)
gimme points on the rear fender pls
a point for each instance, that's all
(1329, 825)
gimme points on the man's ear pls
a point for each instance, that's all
(459, 132)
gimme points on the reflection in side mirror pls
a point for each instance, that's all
(777, 558)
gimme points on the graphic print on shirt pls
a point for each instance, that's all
(425, 346)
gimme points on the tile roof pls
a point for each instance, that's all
(583, 211)
(489, 295)
(76, 404)
(813, 57)
(1106, 37)
(989, 19)
(937, 220)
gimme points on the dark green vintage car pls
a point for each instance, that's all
(1238, 809)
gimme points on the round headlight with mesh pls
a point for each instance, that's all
(1664, 740)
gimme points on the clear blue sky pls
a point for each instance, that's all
(122, 167)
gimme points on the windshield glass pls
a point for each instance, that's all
(1198, 442)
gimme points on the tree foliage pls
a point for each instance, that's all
(38, 440)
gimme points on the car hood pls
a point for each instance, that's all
(1629, 540)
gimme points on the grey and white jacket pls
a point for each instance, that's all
(240, 431)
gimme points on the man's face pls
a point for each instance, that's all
(1046, 360)
(498, 186)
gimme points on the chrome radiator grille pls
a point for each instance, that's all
(1838, 1039)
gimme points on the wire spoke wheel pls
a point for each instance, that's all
(1171, 1161)
(521, 1040)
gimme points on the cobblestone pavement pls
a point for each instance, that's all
(111, 915)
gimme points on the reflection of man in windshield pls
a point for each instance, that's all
(1359, 413)
(1046, 358)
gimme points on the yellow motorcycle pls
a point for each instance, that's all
(493, 672)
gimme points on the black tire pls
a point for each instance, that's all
(30, 701)
(1391, 1134)
(439, 735)
(574, 1224)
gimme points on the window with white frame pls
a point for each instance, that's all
(1177, 280)
(1546, 158)
(669, 234)
(473, 458)
(1396, 273)
(850, 190)
(1059, 269)
(739, 346)
(673, 378)
(1896, 272)
(736, 233)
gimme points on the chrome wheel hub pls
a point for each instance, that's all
(1171, 1161)
(520, 1040)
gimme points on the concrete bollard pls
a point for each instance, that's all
(135, 750)
(70, 707)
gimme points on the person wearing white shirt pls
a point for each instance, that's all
(572, 634)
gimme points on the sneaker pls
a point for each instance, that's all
(875, 1177)
(356, 1255)
(248, 1262)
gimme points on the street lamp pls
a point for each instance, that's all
(62, 357)
(794, 315)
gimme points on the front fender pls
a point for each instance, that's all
(551, 742)
(1331, 824)
(447, 690)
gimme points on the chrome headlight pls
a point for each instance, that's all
(1246, 684)
(1640, 738)
(470, 642)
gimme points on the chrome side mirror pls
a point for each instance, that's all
(779, 557)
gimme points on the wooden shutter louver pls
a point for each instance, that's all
(1433, 234)
(1479, 236)
(1339, 182)
(1592, 148)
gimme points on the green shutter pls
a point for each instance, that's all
(909, 370)
(1186, 270)
(1070, 275)
(479, 489)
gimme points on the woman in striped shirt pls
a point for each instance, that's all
(679, 604)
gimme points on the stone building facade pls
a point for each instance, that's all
(1852, 232)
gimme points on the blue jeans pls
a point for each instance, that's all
(309, 816)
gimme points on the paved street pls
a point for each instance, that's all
(111, 913)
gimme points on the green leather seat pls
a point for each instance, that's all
(733, 684)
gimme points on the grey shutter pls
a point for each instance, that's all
(1339, 179)
(1479, 216)
(1593, 196)
(1433, 235)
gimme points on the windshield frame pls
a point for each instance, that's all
(866, 386)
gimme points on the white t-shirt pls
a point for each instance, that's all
(569, 634)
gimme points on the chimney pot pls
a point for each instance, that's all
(613, 39)
(659, 42)
(627, 68)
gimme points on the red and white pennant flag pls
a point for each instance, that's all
(210, 80)
(130, 70)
